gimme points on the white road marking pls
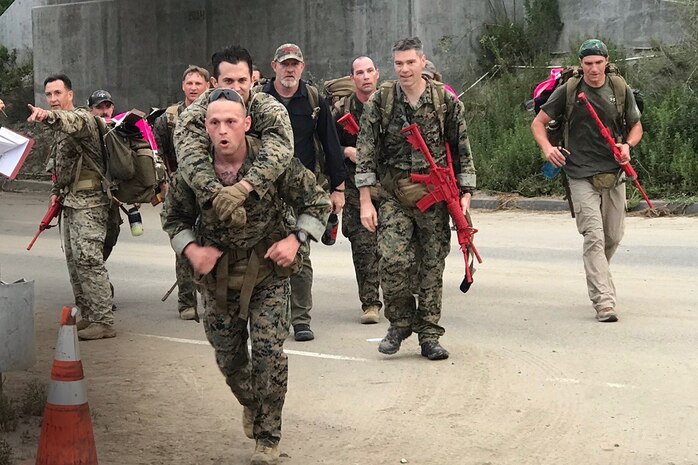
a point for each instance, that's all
(576, 381)
(288, 351)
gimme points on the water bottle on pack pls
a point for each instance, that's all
(135, 221)
(329, 237)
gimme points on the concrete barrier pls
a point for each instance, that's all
(16, 325)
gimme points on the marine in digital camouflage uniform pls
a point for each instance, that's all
(405, 234)
(195, 80)
(364, 244)
(77, 156)
(260, 382)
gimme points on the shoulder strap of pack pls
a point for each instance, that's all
(387, 92)
(172, 113)
(346, 103)
(571, 86)
(619, 88)
(314, 97)
(438, 98)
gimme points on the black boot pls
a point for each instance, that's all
(433, 351)
(391, 342)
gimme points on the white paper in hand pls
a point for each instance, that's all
(14, 149)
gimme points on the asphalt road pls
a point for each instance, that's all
(532, 378)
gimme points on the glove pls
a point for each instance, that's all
(229, 199)
(237, 219)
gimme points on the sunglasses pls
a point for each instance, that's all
(227, 94)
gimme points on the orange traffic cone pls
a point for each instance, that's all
(66, 431)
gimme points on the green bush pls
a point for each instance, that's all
(16, 84)
(505, 154)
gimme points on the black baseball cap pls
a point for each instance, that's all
(99, 96)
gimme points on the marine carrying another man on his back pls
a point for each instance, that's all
(245, 262)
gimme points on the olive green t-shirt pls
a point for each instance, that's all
(590, 154)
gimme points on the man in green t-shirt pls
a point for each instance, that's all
(596, 184)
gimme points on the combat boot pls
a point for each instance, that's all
(248, 422)
(188, 313)
(97, 331)
(433, 350)
(82, 324)
(391, 342)
(265, 454)
(371, 315)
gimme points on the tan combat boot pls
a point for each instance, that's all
(371, 315)
(265, 454)
(188, 313)
(248, 422)
(97, 331)
(82, 324)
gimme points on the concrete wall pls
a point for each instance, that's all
(137, 49)
(16, 26)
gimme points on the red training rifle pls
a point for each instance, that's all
(52, 212)
(617, 154)
(445, 189)
(348, 123)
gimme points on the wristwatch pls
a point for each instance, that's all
(301, 235)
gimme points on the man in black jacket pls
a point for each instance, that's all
(316, 145)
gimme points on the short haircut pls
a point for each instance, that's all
(198, 70)
(411, 43)
(233, 55)
(351, 72)
(59, 77)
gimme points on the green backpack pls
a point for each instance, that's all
(134, 171)
(338, 89)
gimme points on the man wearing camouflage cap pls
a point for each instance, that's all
(316, 145)
(596, 183)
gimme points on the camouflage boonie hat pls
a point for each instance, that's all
(287, 51)
(593, 47)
